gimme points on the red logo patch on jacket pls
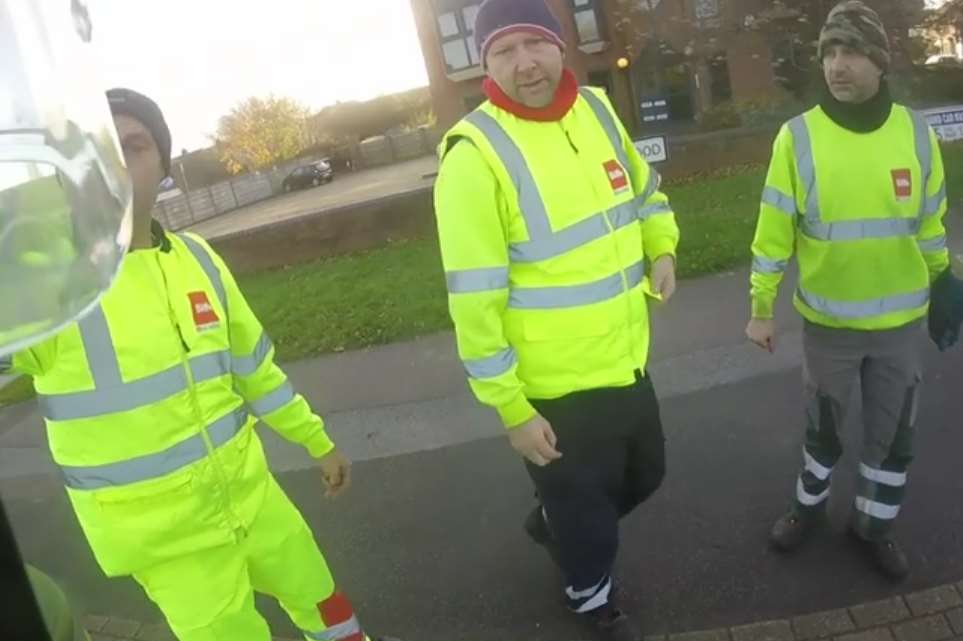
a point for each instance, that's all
(617, 177)
(204, 315)
(902, 184)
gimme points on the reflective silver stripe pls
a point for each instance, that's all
(584, 594)
(933, 244)
(811, 224)
(622, 215)
(874, 228)
(924, 153)
(933, 203)
(6, 363)
(529, 197)
(596, 601)
(763, 265)
(816, 468)
(209, 366)
(575, 295)
(604, 116)
(151, 466)
(599, 595)
(337, 632)
(877, 510)
(867, 308)
(651, 186)
(808, 499)
(573, 236)
(99, 348)
(775, 198)
(544, 243)
(467, 281)
(124, 397)
(247, 365)
(273, 401)
(892, 479)
(805, 165)
(653, 210)
(207, 264)
(492, 366)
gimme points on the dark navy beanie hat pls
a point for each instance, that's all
(498, 18)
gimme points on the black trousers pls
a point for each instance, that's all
(613, 459)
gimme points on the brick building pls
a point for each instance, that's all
(943, 31)
(693, 54)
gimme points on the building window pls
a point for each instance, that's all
(678, 87)
(706, 9)
(588, 21)
(601, 79)
(719, 82)
(472, 101)
(456, 27)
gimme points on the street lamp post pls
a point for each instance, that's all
(623, 64)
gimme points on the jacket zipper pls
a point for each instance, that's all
(569, 137)
(615, 242)
(236, 523)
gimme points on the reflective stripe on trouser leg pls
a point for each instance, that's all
(882, 488)
(830, 367)
(284, 561)
(341, 622)
(591, 598)
(820, 454)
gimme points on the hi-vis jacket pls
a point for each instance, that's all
(544, 231)
(864, 214)
(150, 404)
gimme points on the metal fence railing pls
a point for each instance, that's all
(178, 210)
(183, 210)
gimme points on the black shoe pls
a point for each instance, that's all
(887, 555)
(613, 624)
(791, 531)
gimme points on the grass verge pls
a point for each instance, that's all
(398, 292)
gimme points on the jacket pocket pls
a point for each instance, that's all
(564, 324)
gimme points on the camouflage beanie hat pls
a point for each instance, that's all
(856, 25)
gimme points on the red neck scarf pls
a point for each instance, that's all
(565, 97)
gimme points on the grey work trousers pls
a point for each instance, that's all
(887, 366)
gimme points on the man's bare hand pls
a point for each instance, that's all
(762, 332)
(335, 472)
(663, 277)
(535, 440)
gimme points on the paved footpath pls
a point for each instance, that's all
(428, 543)
(931, 615)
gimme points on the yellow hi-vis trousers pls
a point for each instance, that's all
(209, 596)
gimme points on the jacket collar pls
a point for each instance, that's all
(159, 236)
(565, 97)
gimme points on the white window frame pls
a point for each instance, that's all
(465, 35)
(589, 6)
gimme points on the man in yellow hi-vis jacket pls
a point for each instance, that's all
(856, 189)
(548, 220)
(150, 403)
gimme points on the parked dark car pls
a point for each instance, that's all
(317, 173)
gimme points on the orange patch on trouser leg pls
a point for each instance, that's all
(336, 612)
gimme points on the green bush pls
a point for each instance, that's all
(769, 110)
(722, 116)
(928, 85)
